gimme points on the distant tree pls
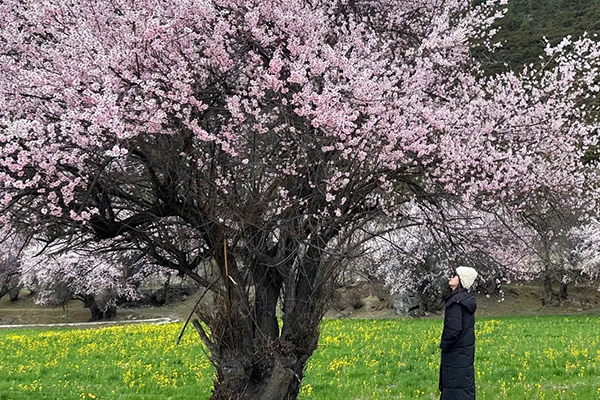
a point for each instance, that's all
(541, 241)
(260, 137)
(417, 259)
(586, 251)
(553, 246)
(97, 278)
(10, 248)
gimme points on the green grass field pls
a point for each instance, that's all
(517, 358)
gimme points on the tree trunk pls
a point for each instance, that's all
(250, 363)
(251, 379)
(166, 286)
(547, 291)
(98, 313)
(252, 358)
(563, 293)
(14, 294)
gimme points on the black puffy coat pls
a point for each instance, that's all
(457, 372)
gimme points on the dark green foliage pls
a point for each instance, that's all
(527, 22)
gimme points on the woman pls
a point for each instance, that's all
(457, 373)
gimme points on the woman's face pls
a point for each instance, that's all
(454, 282)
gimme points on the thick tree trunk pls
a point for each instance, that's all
(240, 380)
(267, 290)
(264, 368)
(547, 291)
(563, 293)
(14, 294)
(98, 312)
(253, 359)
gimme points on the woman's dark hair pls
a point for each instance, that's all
(460, 288)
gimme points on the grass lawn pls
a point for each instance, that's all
(517, 358)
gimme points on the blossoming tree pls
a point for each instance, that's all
(10, 248)
(257, 136)
(88, 273)
(416, 259)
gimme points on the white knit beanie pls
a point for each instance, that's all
(467, 276)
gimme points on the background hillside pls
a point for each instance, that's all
(527, 22)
